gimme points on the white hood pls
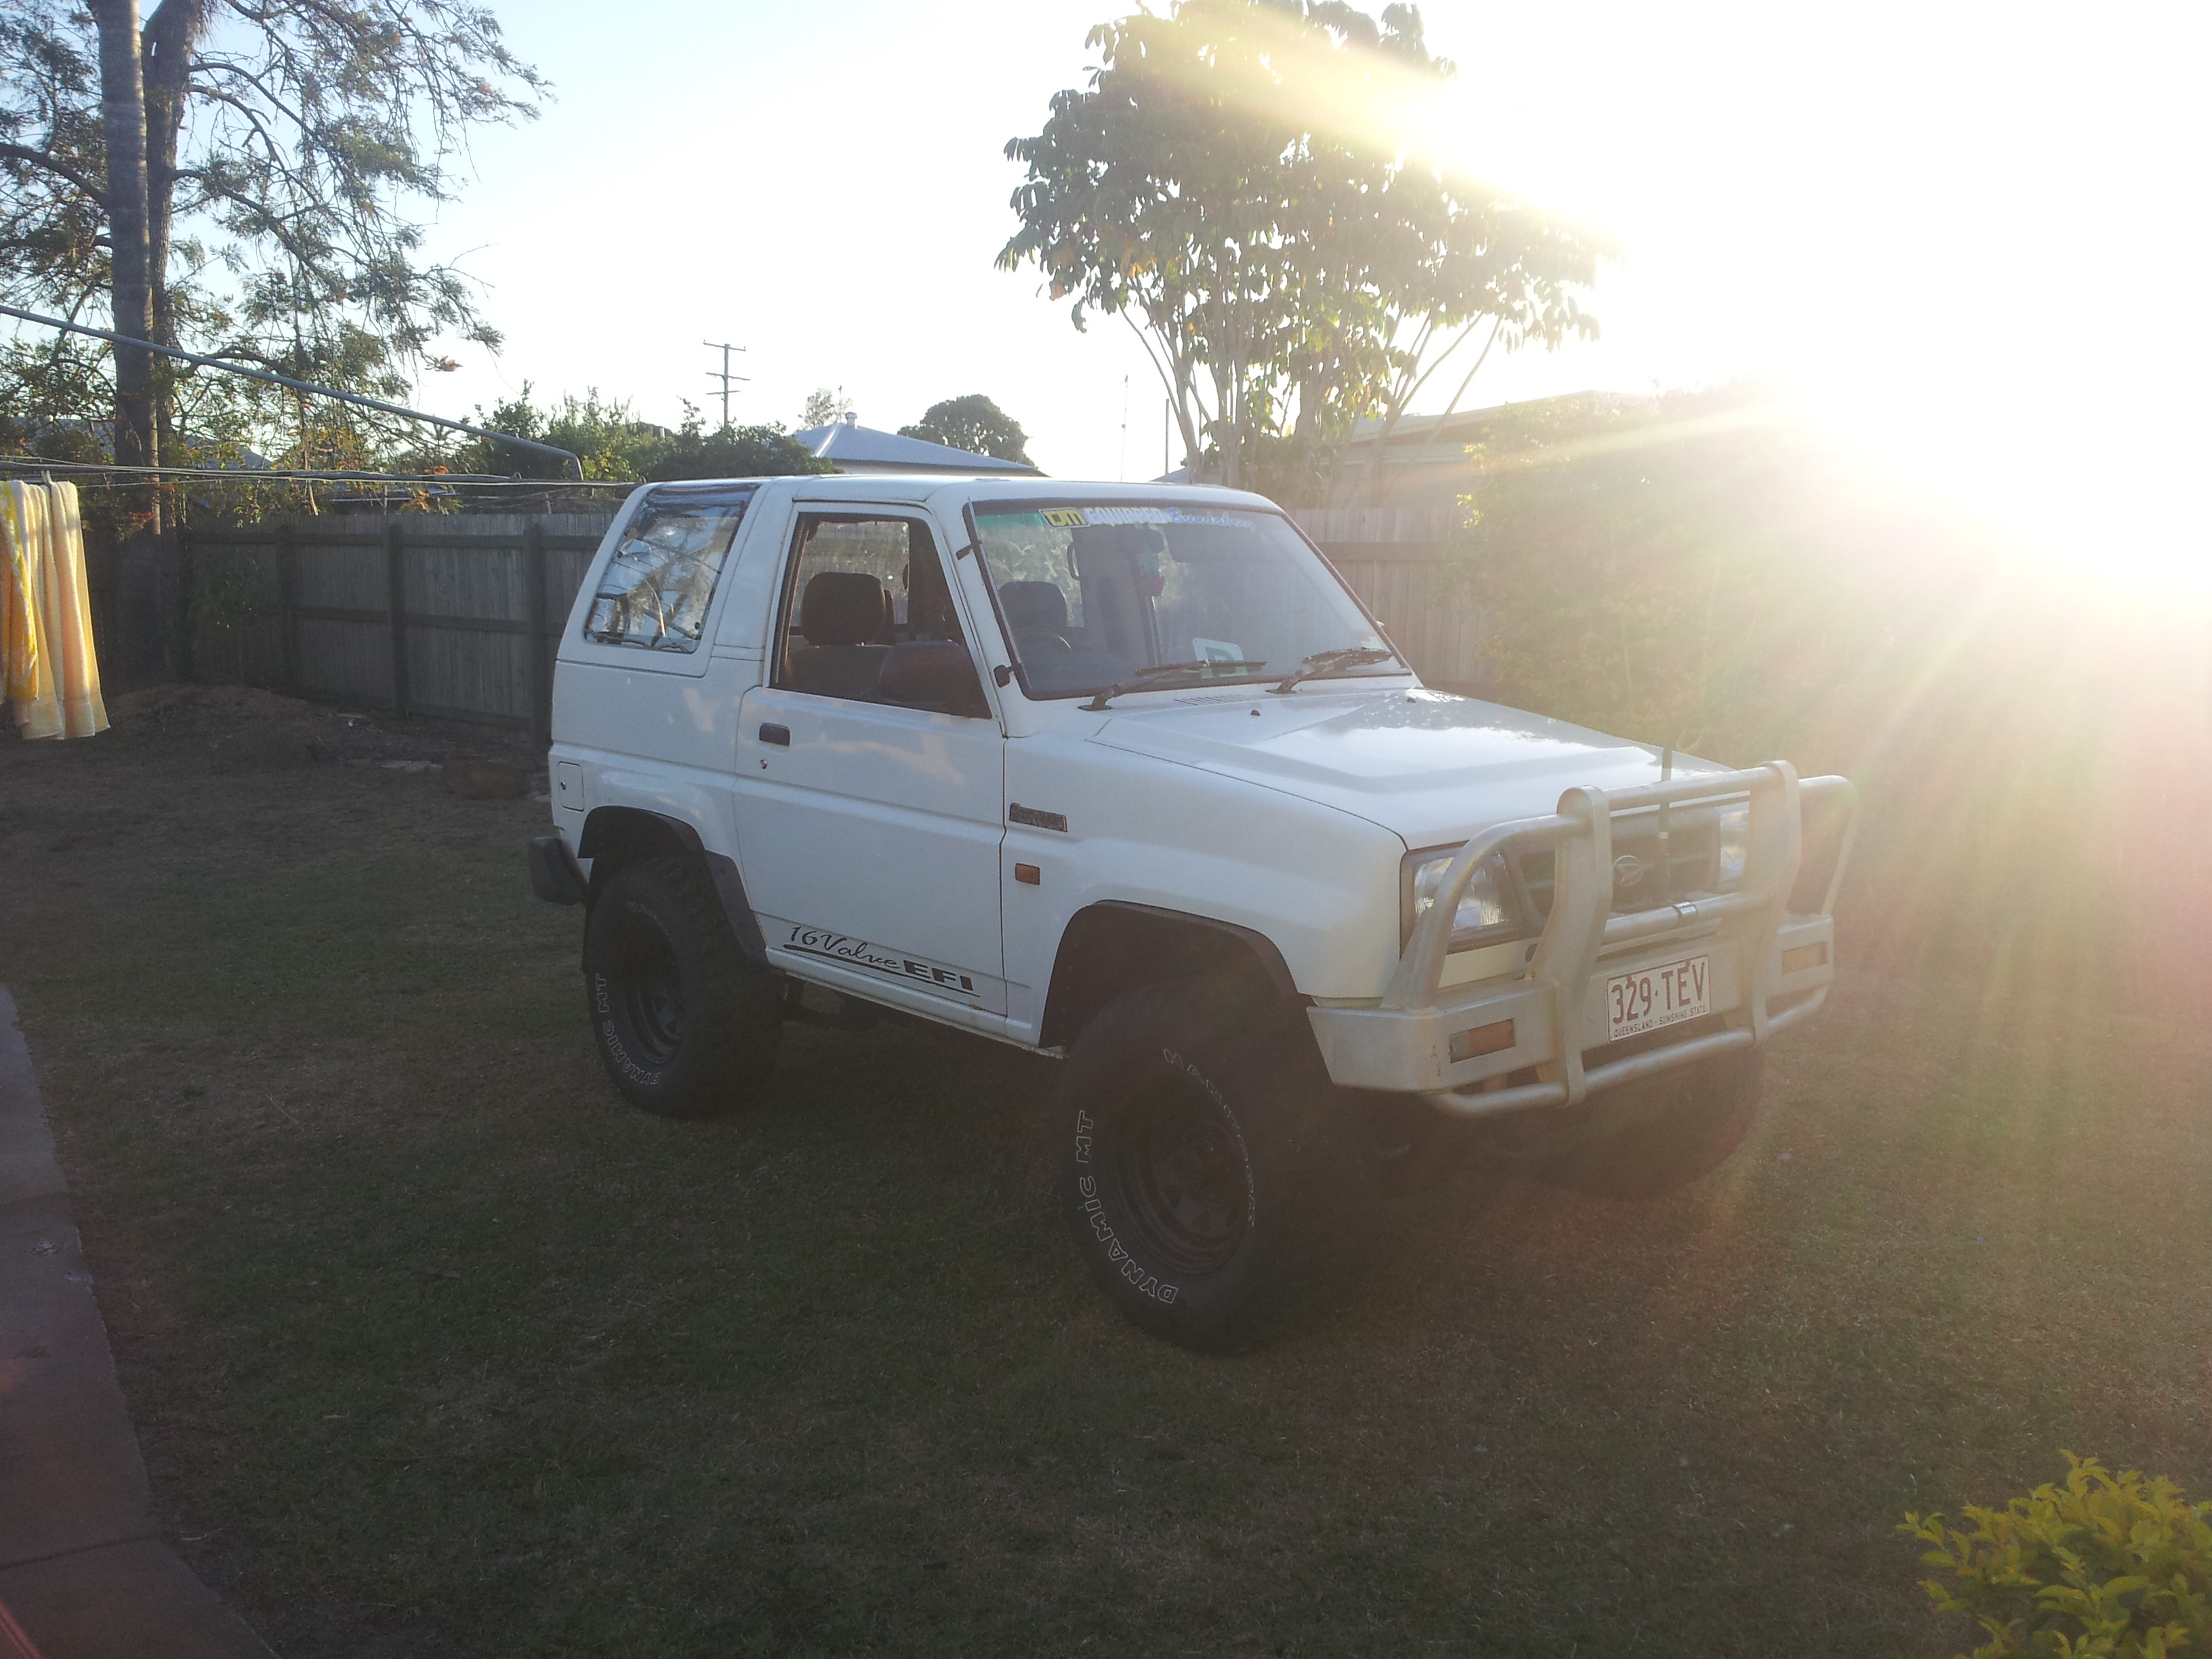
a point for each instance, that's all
(1429, 766)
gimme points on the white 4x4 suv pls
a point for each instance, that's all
(1127, 775)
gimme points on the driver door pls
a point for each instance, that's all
(868, 832)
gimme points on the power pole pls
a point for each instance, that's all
(1124, 428)
(724, 376)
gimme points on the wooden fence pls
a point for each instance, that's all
(139, 592)
(459, 615)
(1394, 557)
(453, 615)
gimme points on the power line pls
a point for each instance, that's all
(724, 376)
(381, 407)
(1124, 428)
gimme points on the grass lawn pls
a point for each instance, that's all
(436, 1348)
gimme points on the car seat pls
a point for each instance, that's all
(846, 615)
(1036, 616)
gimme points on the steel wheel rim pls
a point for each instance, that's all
(652, 992)
(1185, 1182)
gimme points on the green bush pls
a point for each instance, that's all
(2104, 1567)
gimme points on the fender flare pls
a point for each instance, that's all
(1070, 999)
(629, 832)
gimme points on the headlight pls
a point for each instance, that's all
(1483, 908)
(1735, 846)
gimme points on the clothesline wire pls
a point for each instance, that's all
(119, 476)
(567, 457)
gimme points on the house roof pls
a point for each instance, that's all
(852, 447)
(1425, 428)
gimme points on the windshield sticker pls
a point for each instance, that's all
(1205, 650)
(1164, 515)
(1076, 518)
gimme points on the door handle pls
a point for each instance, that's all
(779, 735)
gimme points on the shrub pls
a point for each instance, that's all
(2102, 1567)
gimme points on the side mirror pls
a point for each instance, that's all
(935, 674)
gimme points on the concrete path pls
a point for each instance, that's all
(83, 1566)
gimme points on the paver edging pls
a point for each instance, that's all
(83, 1568)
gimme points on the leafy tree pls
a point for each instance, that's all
(615, 445)
(974, 423)
(236, 175)
(1232, 184)
(731, 452)
(604, 433)
(824, 408)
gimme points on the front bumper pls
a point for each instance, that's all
(1770, 967)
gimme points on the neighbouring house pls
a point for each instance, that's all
(851, 447)
(1424, 464)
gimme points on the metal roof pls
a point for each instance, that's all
(852, 447)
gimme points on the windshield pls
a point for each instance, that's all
(1093, 596)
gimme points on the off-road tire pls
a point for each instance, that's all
(686, 1026)
(1661, 1133)
(1215, 1181)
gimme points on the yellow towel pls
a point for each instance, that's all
(21, 664)
(51, 672)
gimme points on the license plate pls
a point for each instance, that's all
(1663, 994)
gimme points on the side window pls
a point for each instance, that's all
(856, 586)
(655, 590)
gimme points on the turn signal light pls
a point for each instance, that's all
(1482, 1040)
(1805, 956)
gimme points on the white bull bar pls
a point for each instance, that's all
(1416, 1039)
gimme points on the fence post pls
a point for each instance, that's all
(538, 677)
(187, 592)
(395, 577)
(288, 606)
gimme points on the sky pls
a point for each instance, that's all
(1969, 236)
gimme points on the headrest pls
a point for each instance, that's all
(845, 607)
(1034, 607)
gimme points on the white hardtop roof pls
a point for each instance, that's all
(941, 491)
(855, 447)
(1045, 491)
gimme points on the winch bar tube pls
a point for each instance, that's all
(1495, 1101)
(1420, 965)
(1581, 925)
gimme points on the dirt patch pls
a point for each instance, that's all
(482, 780)
(244, 728)
(178, 708)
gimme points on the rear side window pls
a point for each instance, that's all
(656, 589)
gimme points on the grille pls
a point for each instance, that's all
(1691, 862)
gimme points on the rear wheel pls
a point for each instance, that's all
(1212, 1177)
(1661, 1133)
(686, 1025)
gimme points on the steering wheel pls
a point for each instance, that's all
(1042, 644)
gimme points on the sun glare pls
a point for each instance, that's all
(1955, 253)
(2049, 474)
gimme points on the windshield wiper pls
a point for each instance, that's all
(1328, 662)
(1143, 678)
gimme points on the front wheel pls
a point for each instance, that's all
(1212, 1177)
(686, 1026)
